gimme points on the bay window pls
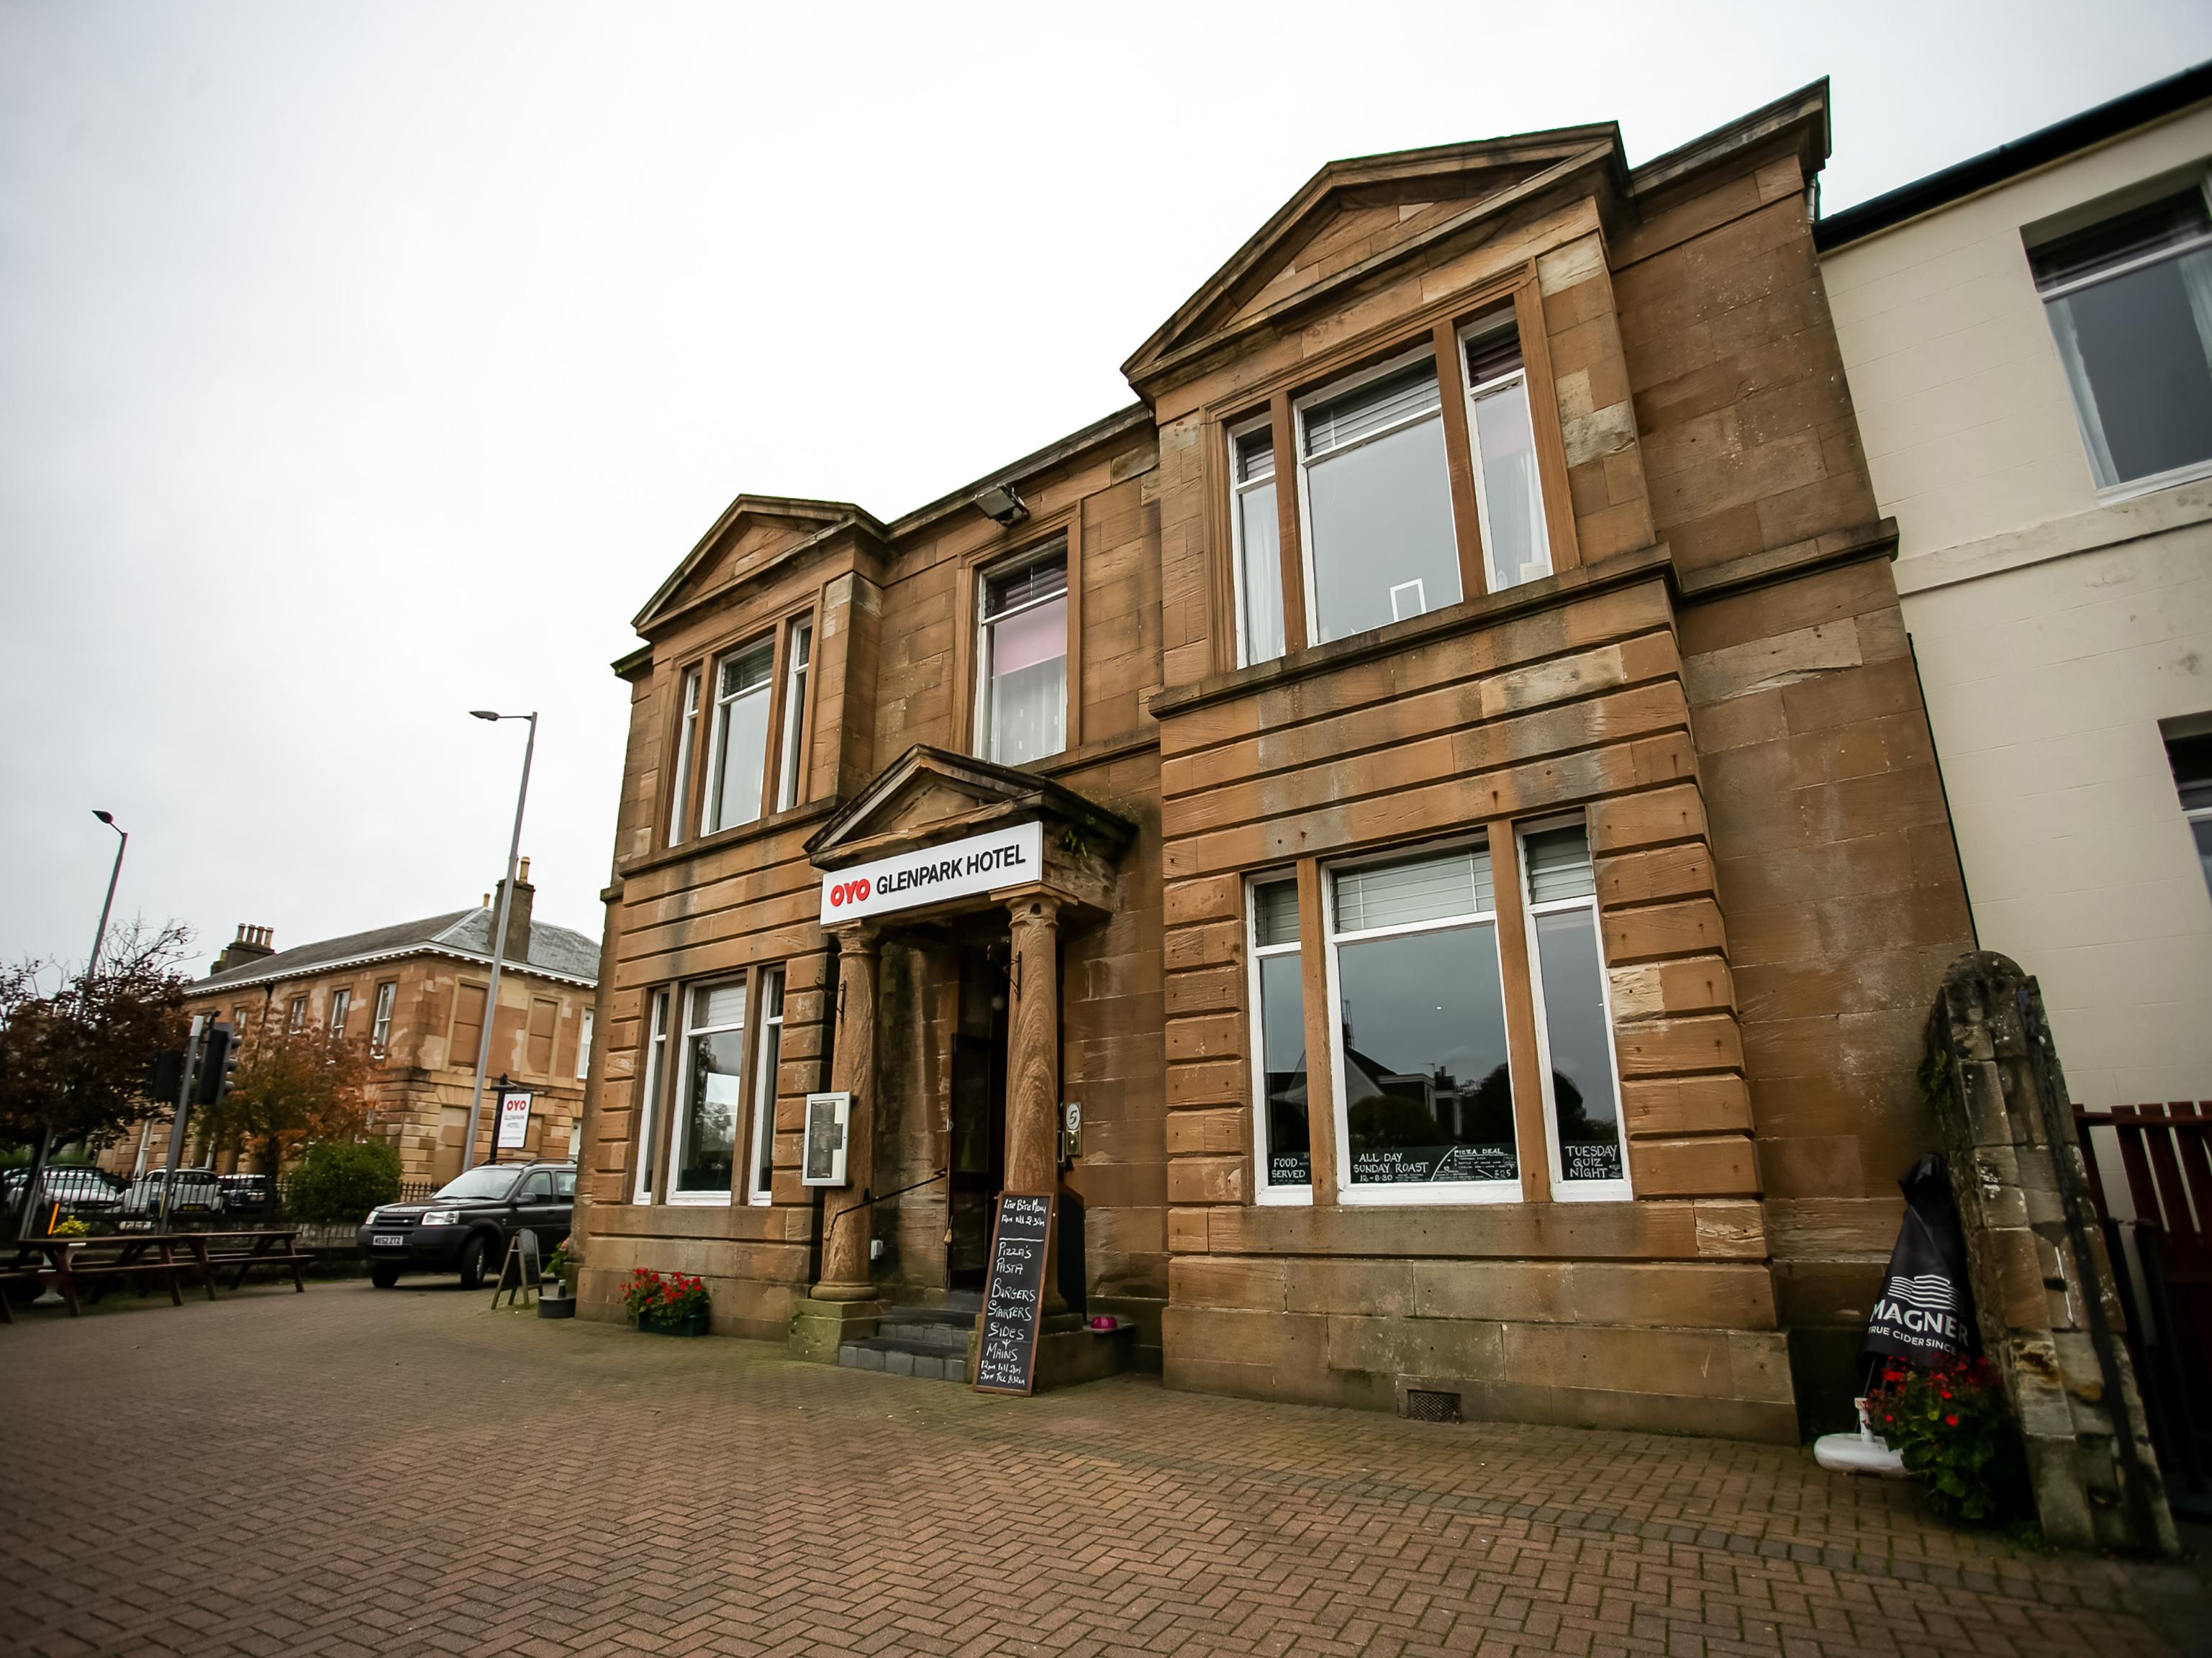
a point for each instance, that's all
(2130, 304)
(737, 764)
(711, 1099)
(764, 1069)
(686, 737)
(1509, 497)
(649, 1095)
(1379, 542)
(1424, 1085)
(1282, 1149)
(1574, 1020)
(792, 761)
(1022, 660)
(1258, 534)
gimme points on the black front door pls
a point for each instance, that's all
(977, 1156)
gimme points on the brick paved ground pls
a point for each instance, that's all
(354, 1471)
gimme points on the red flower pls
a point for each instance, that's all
(1951, 1419)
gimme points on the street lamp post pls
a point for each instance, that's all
(114, 875)
(498, 935)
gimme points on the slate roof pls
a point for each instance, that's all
(560, 951)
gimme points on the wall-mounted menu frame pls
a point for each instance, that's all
(1013, 1293)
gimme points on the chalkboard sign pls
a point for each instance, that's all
(1013, 1293)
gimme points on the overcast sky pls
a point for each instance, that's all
(361, 365)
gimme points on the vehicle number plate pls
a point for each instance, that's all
(392, 1239)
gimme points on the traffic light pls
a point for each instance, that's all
(218, 1050)
(166, 1076)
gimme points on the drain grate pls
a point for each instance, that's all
(1425, 1405)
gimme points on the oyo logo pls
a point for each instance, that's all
(847, 892)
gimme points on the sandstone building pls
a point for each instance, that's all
(1439, 779)
(416, 994)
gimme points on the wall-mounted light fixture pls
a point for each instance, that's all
(1001, 504)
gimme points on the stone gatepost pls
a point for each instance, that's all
(2051, 1318)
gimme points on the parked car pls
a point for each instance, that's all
(198, 1193)
(79, 1190)
(467, 1226)
(245, 1194)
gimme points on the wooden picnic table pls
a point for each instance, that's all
(67, 1260)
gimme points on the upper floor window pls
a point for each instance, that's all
(737, 765)
(584, 1046)
(792, 763)
(687, 739)
(1500, 430)
(299, 1019)
(1022, 660)
(1258, 533)
(341, 1004)
(2191, 760)
(538, 1048)
(1379, 542)
(380, 1029)
(2129, 301)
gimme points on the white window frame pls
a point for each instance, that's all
(763, 1087)
(790, 761)
(296, 1021)
(687, 742)
(1481, 328)
(680, 1108)
(643, 1172)
(379, 1028)
(710, 797)
(1264, 1190)
(1038, 553)
(1238, 489)
(1427, 1193)
(1564, 1190)
(1329, 393)
(341, 1005)
(2150, 483)
(584, 1044)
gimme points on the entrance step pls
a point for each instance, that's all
(923, 1341)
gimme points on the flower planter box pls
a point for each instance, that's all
(694, 1326)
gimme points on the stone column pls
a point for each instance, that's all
(1033, 1070)
(851, 1070)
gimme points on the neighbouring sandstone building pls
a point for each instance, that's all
(415, 992)
(1439, 780)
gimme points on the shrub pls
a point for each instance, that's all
(654, 1299)
(340, 1180)
(1953, 1430)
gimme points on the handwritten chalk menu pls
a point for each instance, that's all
(1013, 1293)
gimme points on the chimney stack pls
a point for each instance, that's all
(252, 943)
(518, 916)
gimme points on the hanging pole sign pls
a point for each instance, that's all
(958, 869)
(513, 1120)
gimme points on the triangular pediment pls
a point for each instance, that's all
(1356, 217)
(929, 795)
(754, 534)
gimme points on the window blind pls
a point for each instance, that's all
(1275, 912)
(717, 1005)
(1255, 456)
(1380, 404)
(1043, 578)
(1560, 865)
(1431, 889)
(1494, 354)
(746, 673)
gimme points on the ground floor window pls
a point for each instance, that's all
(648, 1095)
(771, 1055)
(1574, 1017)
(1423, 1086)
(712, 1099)
(1283, 1150)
